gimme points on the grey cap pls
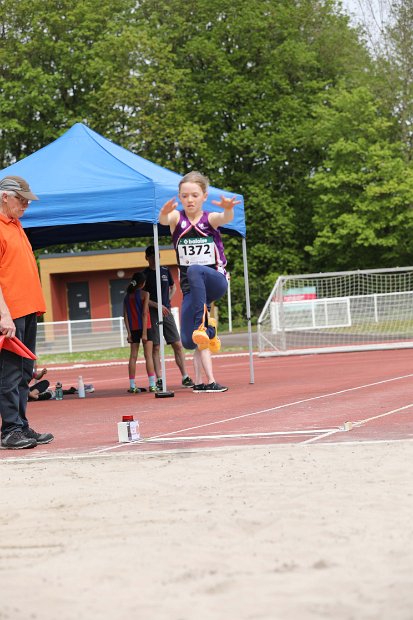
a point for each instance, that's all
(17, 185)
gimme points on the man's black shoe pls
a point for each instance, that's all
(16, 440)
(38, 437)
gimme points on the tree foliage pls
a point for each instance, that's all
(363, 189)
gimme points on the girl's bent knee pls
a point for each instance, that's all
(188, 343)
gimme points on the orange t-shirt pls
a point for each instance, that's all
(19, 276)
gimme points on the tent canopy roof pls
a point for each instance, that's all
(92, 189)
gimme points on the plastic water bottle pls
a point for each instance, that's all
(81, 387)
(59, 391)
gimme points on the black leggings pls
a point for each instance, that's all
(40, 386)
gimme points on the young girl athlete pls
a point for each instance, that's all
(138, 325)
(201, 260)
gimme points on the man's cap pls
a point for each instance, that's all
(17, 185)
(150, 251)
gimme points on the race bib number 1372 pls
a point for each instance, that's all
(196, 251)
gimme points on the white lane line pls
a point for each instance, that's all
(236, 436)
(191, 438)
(381, 415)
(359, 423)
(328, 434)
(269, 410)
(139, 361)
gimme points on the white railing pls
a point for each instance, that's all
(77, 336)
(84, 335)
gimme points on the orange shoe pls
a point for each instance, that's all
(200, 337)
(214, 343)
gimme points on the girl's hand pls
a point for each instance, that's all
(226, 203)
(168, 207)
(169, 215)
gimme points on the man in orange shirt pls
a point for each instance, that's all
(21, 301)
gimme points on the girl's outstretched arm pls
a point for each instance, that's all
(168, 215)
(219, 219)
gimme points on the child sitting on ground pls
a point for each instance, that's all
(41, 390)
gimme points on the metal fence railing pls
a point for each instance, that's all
(85, 335)
(77, 336)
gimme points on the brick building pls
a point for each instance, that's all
(92, 285)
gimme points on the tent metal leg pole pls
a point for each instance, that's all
(248, 307)
(164, 393)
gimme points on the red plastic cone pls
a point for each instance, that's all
(16, 346)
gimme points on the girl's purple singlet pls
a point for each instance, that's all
(197, 244)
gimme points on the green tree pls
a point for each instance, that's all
(47, 76)
(390, 36)
(221, 86)
(252, 73)
(363, 191)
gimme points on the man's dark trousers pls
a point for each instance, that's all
(15, 375)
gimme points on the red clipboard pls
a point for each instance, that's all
(16, 346)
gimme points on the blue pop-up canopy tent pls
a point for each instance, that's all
(92, 189)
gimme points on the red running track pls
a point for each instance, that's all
(356, 397)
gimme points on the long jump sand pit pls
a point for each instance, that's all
(248, 533)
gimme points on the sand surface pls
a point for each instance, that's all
(252, 533)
